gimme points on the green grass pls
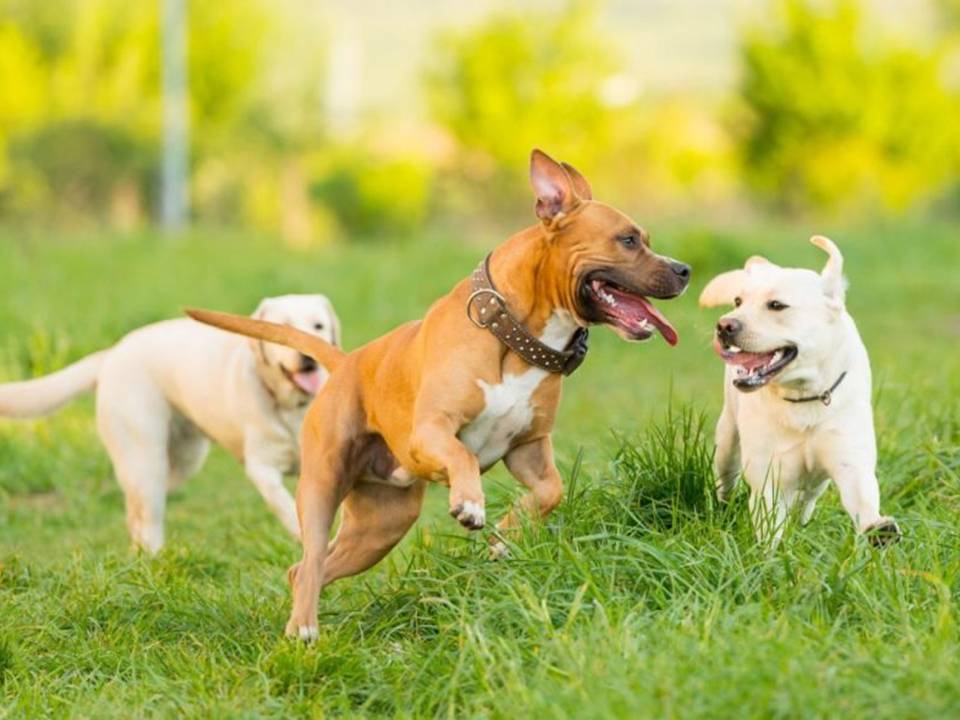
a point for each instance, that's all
(640, 598)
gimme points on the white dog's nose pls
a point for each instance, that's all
(728, 328)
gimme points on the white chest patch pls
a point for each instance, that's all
(508, 405)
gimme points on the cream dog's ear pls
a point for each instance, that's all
(757, 261)
(832, 273)
(723, 289)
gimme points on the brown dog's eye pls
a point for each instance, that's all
(629, 241)
(737, 302)
(776, 306)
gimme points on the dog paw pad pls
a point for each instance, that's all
(470, 514)
(499, 550)
(884, 533)
(308, 633)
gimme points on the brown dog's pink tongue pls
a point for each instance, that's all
(663, 325)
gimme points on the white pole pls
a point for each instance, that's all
(173, 183)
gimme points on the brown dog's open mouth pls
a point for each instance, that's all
(755, 369)
(631, 312)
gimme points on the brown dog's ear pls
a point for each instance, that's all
(723, 289)
(580, 185)
(552, 186)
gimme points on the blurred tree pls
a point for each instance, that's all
(80, 104)
(833, 122)
(518, 81)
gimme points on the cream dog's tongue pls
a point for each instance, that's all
(308, 381)
(748, 360)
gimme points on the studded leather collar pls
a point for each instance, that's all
(487, 308)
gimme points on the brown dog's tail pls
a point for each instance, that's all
(319, 349)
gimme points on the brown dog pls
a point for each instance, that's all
(444, 398)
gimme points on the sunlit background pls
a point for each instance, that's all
(156, 154)
(317, 122)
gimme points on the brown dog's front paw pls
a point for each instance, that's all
(306, 633)
(883, 533)
(469, 514)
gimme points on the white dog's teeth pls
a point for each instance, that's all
(733, 349)
(776, 357)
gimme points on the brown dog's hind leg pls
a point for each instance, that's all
(532, 465)
(374, 518)
(318, 493)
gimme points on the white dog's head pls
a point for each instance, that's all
(291, 376)
(785, 321)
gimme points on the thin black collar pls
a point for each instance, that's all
(826, 397)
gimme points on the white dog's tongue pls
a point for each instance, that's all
(308, 381)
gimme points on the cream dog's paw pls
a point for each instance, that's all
(499, 550)
(883, 532)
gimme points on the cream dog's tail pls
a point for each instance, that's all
(33, 398)
(319, 349)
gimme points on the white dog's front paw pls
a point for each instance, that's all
(470, 514)
(499, 550)
(883, 532)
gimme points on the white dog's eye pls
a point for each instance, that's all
(737, 302)
(776, 305)
(318, 326)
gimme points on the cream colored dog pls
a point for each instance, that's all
(797, 409)
(164, 391)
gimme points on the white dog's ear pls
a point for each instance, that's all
(334, 321)
(832, 273)
(261, 312)
(723, 289)
(757, 261)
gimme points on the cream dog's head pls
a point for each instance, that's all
(785, 321)
(291, 376)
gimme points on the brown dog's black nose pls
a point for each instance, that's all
(728, 328)
(681, 269)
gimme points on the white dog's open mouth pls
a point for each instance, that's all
(306, 381)
(755, 369)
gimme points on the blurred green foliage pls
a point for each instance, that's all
(828, 114)
(521, 80)
(375, 196)
(835, 120)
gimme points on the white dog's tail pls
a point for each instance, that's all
(33, 398)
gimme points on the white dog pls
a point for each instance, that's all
(164, 391)
(797, 409)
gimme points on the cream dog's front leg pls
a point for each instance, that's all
(727, 458)
(855, 476)
(268, 480)
(770, 503)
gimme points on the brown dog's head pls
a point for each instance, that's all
(604, 258)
